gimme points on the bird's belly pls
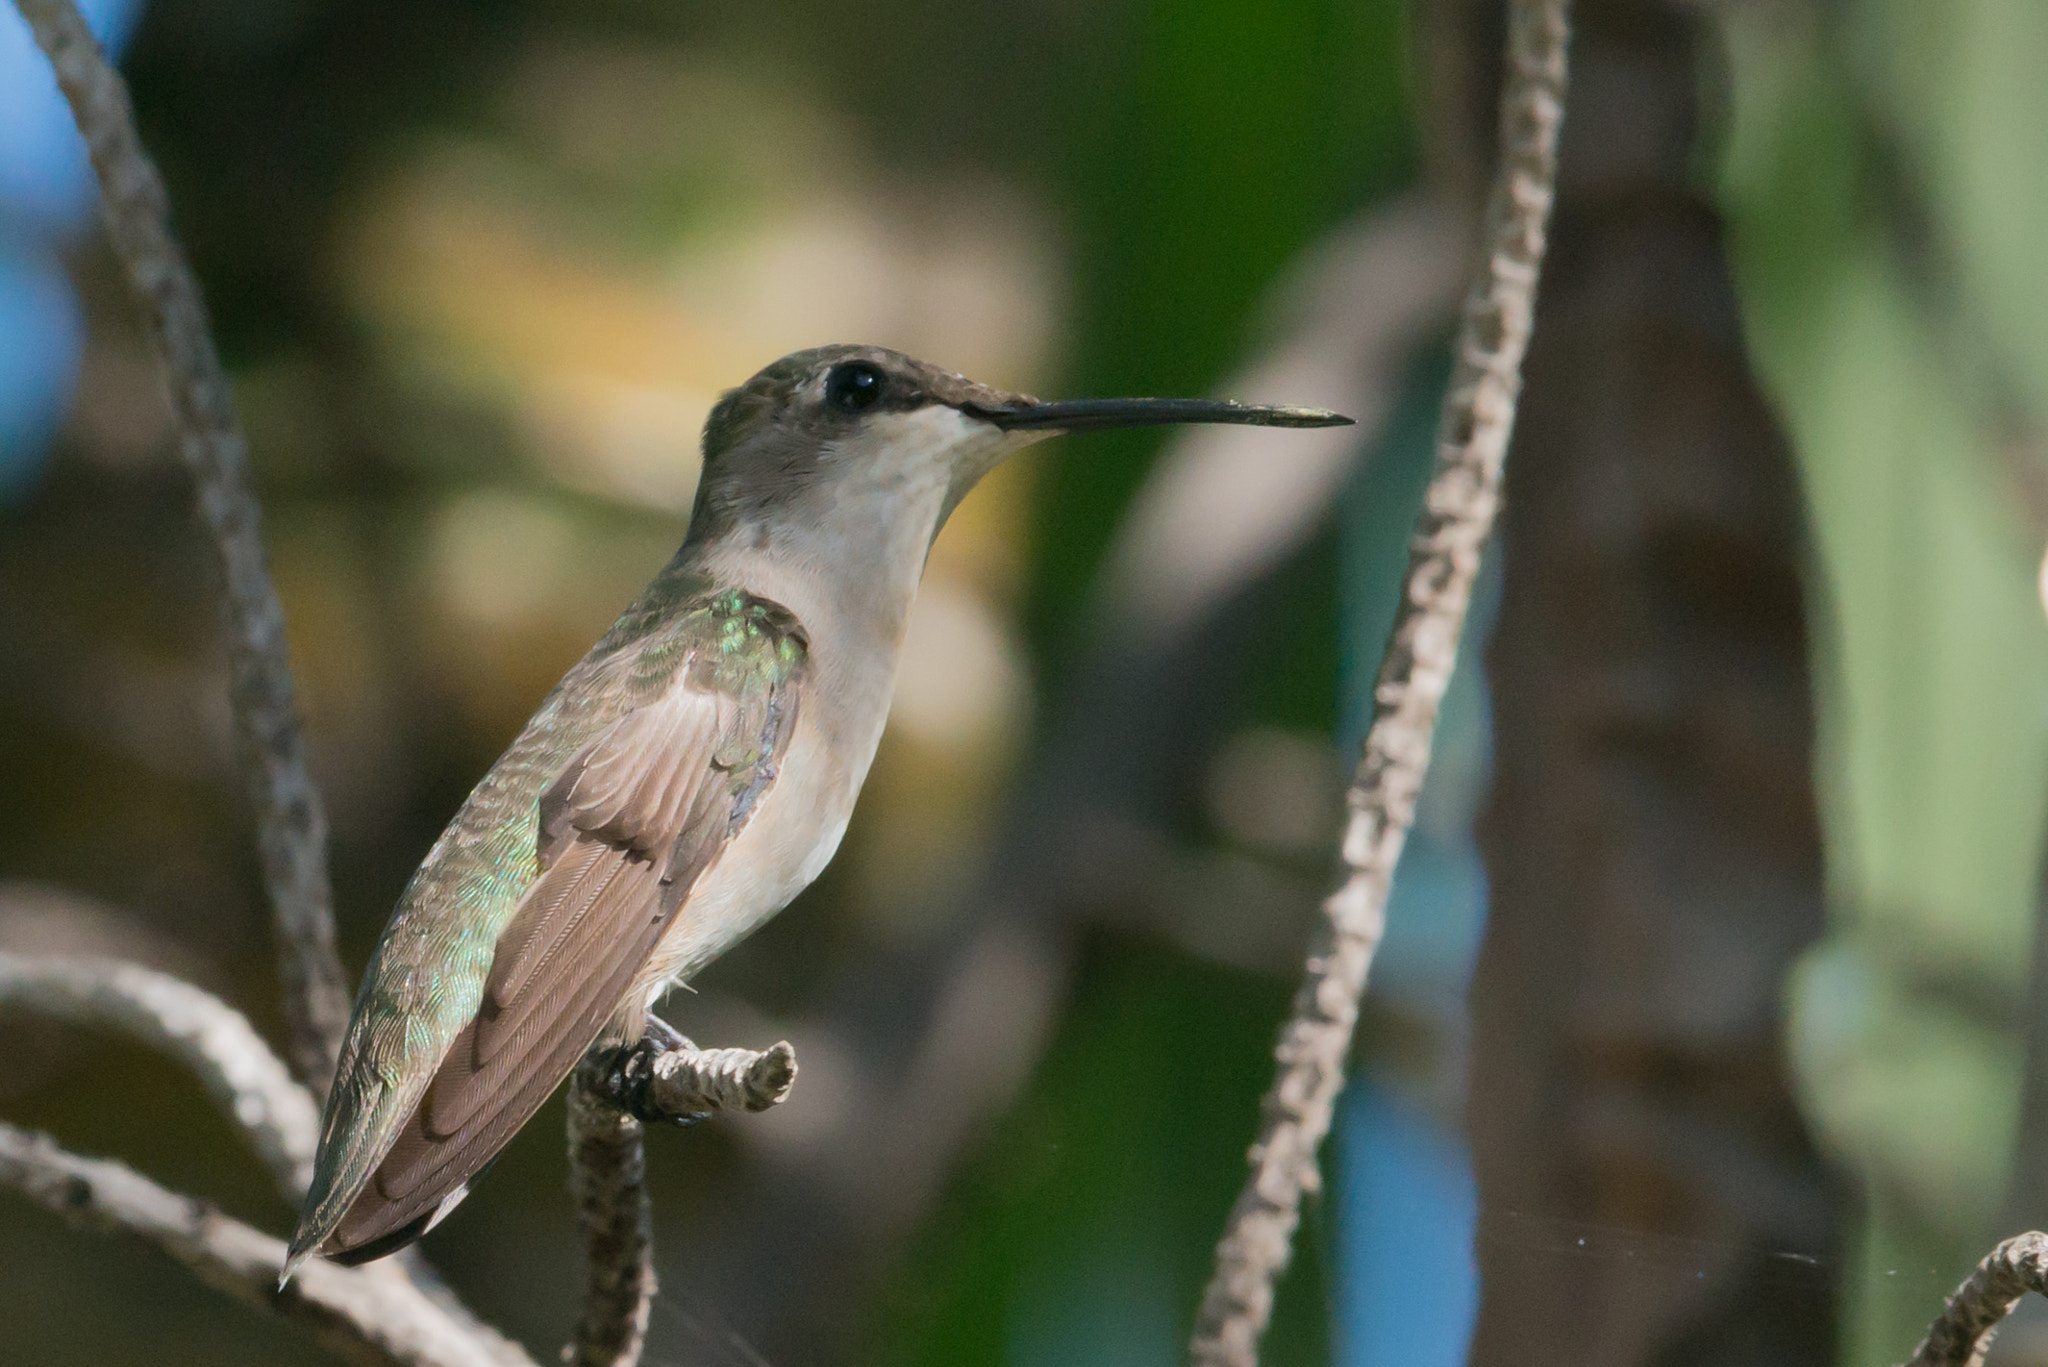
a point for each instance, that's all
(791, 836)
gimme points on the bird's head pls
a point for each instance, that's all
(818, 425)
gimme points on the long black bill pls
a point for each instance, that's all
(1094, 415)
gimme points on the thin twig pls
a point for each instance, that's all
(1962, 1335)
(193, 1026)
(370, 1314)
(608, 1179)
(1457, 516)
(292, 827)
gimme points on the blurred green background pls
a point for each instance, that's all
(1755, 1064)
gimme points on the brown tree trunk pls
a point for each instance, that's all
(1652, 838)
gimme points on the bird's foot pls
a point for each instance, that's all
(623, 1074)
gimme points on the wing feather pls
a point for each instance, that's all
(621, 798)
(547, 920)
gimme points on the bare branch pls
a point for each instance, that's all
(193, 1026)
(370, 1314)
(292, 827)
(1457, 516)
(230, 1059)
(1962, 1335)
(608, 1178)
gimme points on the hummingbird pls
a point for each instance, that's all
(681, 784)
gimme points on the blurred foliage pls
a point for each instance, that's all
(1080, 1234)
(1188, 114)
(1882, 175)
(1075, 1238)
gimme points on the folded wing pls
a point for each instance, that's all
(625, 832)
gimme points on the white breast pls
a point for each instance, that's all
(785, 845)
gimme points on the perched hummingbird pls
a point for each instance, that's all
(684, 781)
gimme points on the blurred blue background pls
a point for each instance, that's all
(46, 198)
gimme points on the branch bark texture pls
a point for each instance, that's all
(291, 823)
(1457, 517)
(370, 1314)
(608, 1180)
(1962, 1336)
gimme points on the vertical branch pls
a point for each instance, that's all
(292, 828)
(1457, 516)
(607, 1178)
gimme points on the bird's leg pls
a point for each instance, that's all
(624, 1072)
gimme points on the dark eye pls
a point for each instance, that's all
(853, 386)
